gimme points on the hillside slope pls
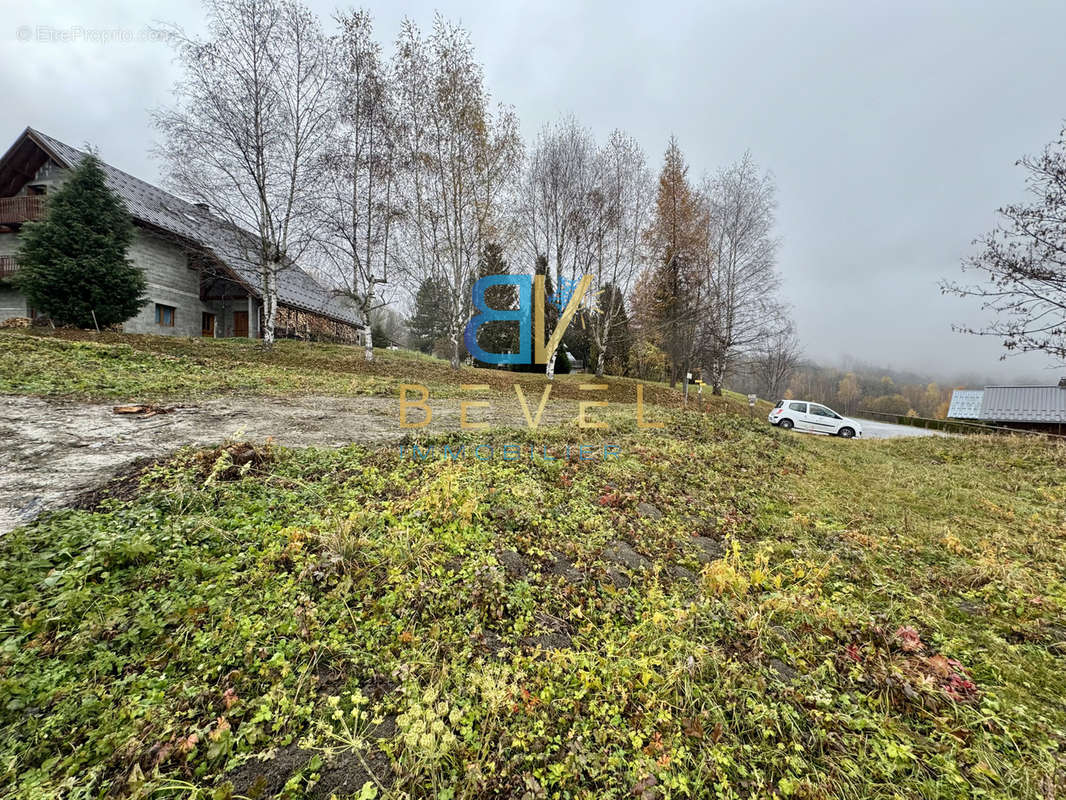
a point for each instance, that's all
(723, 610)
(84, 365)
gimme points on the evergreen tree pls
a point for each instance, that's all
(497, 337)
(72, 264)
(577, 340)
(551, 319)
(429, 324)
(619, 337)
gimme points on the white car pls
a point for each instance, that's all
(814, 418)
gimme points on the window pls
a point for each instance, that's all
(800, 407)
(779, 403)
(164, 315)
(822, 411)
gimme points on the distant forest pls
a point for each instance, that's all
(858, 387)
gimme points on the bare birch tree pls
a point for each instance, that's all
(776, 360)
(554, 195)
(458, 159)
(740, 307)
(251, 112)
(609, 232)
(359, 206)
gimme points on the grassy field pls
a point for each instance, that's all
(84, 365)
(724, 610)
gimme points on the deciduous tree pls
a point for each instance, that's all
(1021, 265)
(741, 309)
(358, 206)
(458, 159)
(252, 111)
(552, 201)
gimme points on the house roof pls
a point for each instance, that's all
(164, 211)
(1024, 404)
(965, 404)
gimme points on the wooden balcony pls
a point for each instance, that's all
(16, 210)
(8, 267)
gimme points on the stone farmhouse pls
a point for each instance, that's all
(201, 281)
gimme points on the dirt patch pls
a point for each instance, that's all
(231, 462)
(261, 779)
(342, 774)
(56, 453)
(125, 487)
(565, 569)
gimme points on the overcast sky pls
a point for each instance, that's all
(892, 129)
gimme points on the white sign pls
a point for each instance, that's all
(751, 399)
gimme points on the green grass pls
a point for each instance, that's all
(884, 620)
(84, 365)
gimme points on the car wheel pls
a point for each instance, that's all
(786, 424)
(846, 433)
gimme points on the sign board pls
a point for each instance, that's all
(751, 400)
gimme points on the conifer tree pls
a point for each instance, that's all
(429, 324)
(72, 264)
(497, 336)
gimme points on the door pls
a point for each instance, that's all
(207, 327)
(823, 420)
(240, 323)
(797, 412)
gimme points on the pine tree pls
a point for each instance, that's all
(72, 264)
(429, 324)
(497, 337)
(619, 338)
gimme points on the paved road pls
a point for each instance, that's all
(888, 430)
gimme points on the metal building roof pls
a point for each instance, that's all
(1024, 404)
(965, 404)
(231, 246)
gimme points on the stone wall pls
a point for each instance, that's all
(170, 283)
